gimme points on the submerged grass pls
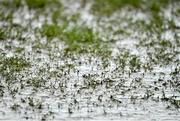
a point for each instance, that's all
(36, 83)
(13, 64)
(126, 60)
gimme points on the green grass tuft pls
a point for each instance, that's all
(107, 7)
(11, 3)
(80, 35)
(80, 39)
(76, 35)
(135, 63)
(2, 35)
(52, 31)
(83, 40)
(34, 4)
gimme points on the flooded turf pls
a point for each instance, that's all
(71, 60)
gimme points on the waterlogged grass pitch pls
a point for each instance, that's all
(89, 60)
